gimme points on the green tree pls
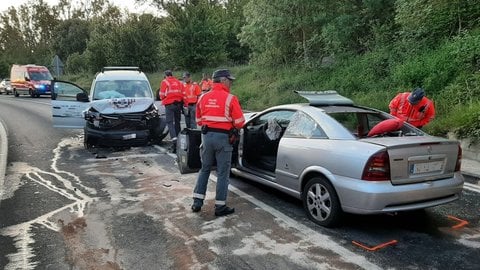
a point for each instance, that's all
(136, 42)
(193, 35)
(70, 36)
(432, 20)
(236, 52)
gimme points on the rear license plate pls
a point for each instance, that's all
(130, 136)
(426, 167)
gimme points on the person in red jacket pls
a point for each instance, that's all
(219, 114)
(191, 91)
(206, 83)
(171, 95)
(413, 108)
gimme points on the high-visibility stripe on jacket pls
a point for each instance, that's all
(191, 91)
(219, 109)
(171, 90)
(206, 84)
(418, 115)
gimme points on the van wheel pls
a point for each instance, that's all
(321, 202)
(32, 94)
(15, 93)
(87, 142)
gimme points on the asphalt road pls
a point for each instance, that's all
(64, 207)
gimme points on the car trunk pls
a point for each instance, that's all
(419, 159)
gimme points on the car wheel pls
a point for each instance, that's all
(87, 142)
(321, 203)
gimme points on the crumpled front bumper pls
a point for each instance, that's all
(117, 137)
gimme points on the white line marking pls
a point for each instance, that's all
(21, 233)
(321, 240)
(471, 187)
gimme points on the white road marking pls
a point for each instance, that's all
(21, 233)
(472, 187)
(305, 232)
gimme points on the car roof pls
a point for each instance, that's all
(120, 73)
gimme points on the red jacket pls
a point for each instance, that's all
(171, 90)
(206, 84)
(417, 115)
(191, 91)
(219, 109)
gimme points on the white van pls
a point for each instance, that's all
(120, 109)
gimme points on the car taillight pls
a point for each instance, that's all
(459, 159)
(377, 167)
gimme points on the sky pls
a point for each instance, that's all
(128, 4)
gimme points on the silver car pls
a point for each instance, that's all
(338, 157)
(5, 87)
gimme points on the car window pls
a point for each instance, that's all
(282, 117)
(66, 91)
(302, 125)
(348, 119)
(360, 123)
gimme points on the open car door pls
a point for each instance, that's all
(188, 150)
(68, 102)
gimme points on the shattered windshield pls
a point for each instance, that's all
(121, 89)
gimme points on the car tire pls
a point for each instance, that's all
(87, 142)
(321, 203)
(32, 94)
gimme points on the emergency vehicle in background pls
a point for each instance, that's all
(30, 80)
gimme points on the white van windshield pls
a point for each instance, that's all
(40, 76)
(121, 89)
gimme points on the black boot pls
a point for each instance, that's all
(223, 210)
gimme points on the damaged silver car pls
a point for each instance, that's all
(339, 157)
(119, 110)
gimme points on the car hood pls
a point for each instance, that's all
(122, 105)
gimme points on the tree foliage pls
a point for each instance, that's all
(193, 35)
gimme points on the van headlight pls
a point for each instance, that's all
(39, 86)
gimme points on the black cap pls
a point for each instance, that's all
(186, 74)
(217, 74)
(416, 95)
(168, 72)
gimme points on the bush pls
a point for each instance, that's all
(76, 63)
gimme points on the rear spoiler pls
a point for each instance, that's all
(324, 98)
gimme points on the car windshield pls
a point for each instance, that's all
(121, 89)
(40, 76)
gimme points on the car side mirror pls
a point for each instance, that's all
(82, 97)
